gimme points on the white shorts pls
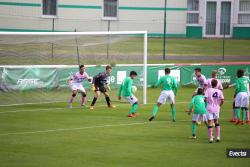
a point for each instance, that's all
(242, 99)
(166, 95)
(131, 99)
(77, 86)
(213, 115)
(199, 117)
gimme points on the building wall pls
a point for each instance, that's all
(86, 15)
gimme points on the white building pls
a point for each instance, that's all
(185, 18)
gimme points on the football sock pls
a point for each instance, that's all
(72, 97)
(238, 113)
(193, 128)
(210, 132)
(107, 100)
(133, 108)
(173, 110)
(155, 110)
(217, 126)
(234, 113)
(93, 101)
(84, 100)
(247, 115)
(243, 115)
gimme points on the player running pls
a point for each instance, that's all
(214, 77)
(214, 99)
(242, 98)
(76, 85)
(100, 85)
(169, 90)
(126, 91)
(198, 107)
(201, 79)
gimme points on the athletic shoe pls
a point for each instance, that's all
(233, 120)
(69, 105)
(193, 136)
(211, 140)
(135, 114)
(218, 140)
(242, 122)
(111, 106)
(248, 122)
(174, 120)
(151, 118)
(237, 122)
(91, 107)
(130, 115)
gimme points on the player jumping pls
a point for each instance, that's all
(201, 79)
(76, 85)
(100, 85)
(242, 98)
(126, 91)
(214, 98)
(169, 90)
(214, 77)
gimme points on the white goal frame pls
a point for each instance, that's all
(145, 47)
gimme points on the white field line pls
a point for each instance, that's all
(91, 127)
(60, 108)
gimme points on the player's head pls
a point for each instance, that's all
(200, 91)
(108, 69)
(214, 73)
(167, 71)
(197, 72)
(82, 68)
(214, 83)
(240, 73)
(132, 74)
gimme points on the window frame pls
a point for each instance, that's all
(194, 12)
(242, 13)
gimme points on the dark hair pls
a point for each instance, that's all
(197, 69)
(214, 83)
(167, 70)
(81, 66)
(240, 73)
(108, 67)
(200, 91)
(133, 73)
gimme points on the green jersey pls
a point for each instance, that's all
(126, 87)
(198, 104)
(242, 85)
(168, 82)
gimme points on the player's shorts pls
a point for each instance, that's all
(100, 88)
(242, 99)
(77, 86)
(213, 115)
(166, 95)
(131, 99)
(199, 117)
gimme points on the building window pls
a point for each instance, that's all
(244, 12)
(49, 8)
(110, 9)
(193, 12)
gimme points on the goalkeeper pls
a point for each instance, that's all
(126, 91)
(100, 85)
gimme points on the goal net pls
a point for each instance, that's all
(35, 66)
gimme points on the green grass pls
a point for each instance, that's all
(86, 141)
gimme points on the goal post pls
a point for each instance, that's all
(31, 49)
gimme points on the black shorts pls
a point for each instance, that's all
(100, 88)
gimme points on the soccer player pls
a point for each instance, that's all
(214, 76)
(126, 91)
(214, 99)
(169, 90)
(76, 85)
(242, 98)
(100, 85)
(201, 79)
(198, 106)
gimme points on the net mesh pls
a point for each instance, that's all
(35, 68)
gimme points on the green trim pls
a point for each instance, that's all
(20, 4)
(32, 30)
(151, 8)
(79, 6)
(241, 32)
(194, 31)
(92, 6)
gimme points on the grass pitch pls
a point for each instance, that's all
(52, 135)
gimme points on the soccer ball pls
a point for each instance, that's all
(134, 89)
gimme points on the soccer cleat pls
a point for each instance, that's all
(83, 105)
(211, 140)
(135, 114)
(111, 106)
(233, 120)
(69, 105)
(237, 122)
(218, 140)
(130, 115)
(248, 122)
(174, 120)
(242, 122)
(193, 136)
(151, 118)
(91, 107)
